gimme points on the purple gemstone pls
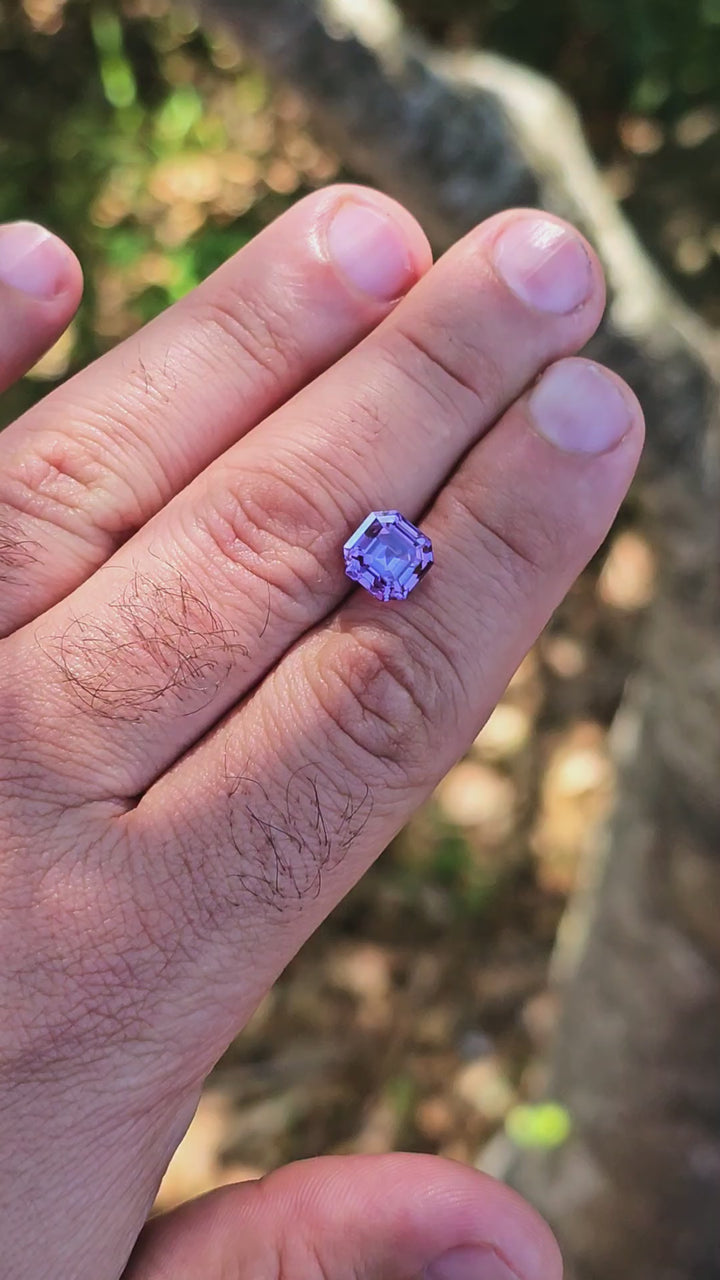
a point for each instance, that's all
(387, 555)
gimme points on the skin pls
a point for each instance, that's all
(206, 737)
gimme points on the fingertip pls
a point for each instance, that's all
(417, 243)
(523, 1238)
(72, 281)
(546, 262)
(422, 1207)
(387, 1216)
(376, 245)
(581, 407)
(541, 264)
(38, 264)
(484, 1213)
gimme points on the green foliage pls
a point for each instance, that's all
(668, 49)
(402, 1095)
(179, 114)
(113, 130)
(472, 884)
(116, 73)
(542, 1126)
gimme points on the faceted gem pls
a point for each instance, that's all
(387, 555)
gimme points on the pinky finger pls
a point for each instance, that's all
(40, 288)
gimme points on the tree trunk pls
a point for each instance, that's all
(635, 1190)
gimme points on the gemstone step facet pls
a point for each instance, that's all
(387, 555)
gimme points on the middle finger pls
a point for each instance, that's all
(183, 621)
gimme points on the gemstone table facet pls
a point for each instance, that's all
(387, 555)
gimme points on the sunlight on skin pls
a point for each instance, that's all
(207, 737)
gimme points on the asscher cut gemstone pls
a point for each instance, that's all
(387, 555)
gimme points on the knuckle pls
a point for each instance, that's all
(519, 539)
(421, 368)
(161, 645)
(258, 329)
(279, 528)
(283, 835)
(68, 482)
(453, 362)
(381, 692)
(18, 548)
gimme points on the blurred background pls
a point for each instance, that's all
(417, 1015)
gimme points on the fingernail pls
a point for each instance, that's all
(577, 406)
(469, 1263)
(371, 251)
(32, 259)
(545, 264)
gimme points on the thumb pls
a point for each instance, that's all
(394, 1217)
(40, 287)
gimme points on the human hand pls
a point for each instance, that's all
(206, 739)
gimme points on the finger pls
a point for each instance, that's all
(40, 288)
(395, 1217)
(89, 465)
(205, 599)
(280, 810)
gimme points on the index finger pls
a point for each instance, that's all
(86, 468)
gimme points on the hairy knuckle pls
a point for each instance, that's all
(280, 836)
(19, 547)
(161, 643)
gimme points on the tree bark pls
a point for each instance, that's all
(635, 1190)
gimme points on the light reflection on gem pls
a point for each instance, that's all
(387, 555)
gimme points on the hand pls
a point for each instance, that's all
(206, 738)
